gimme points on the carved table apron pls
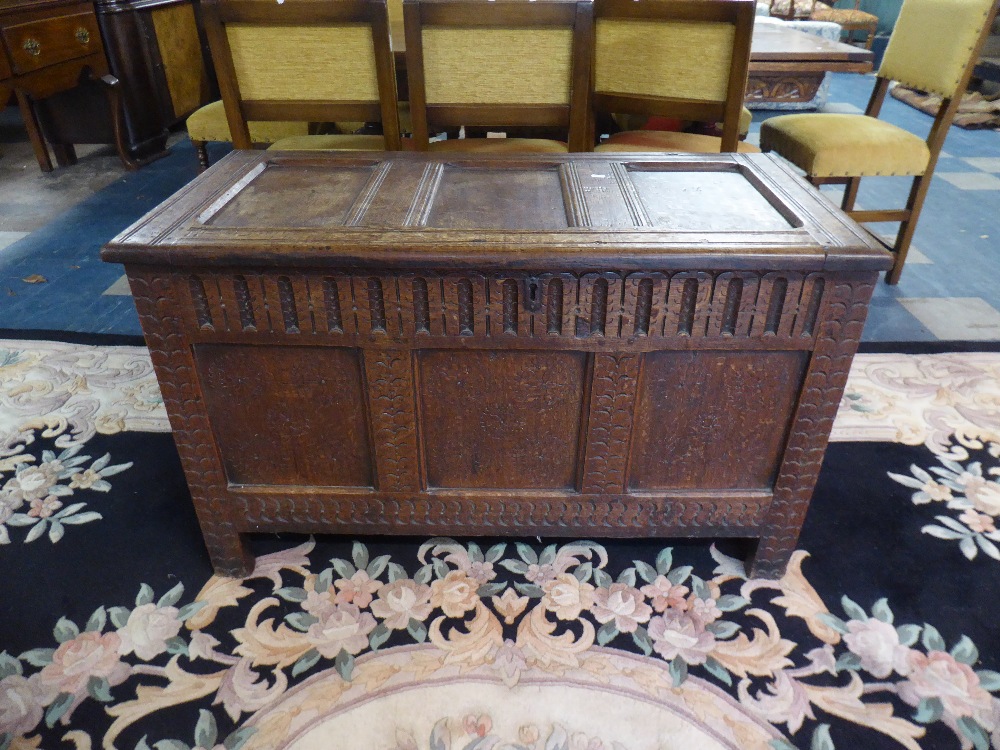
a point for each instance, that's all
(582, 344)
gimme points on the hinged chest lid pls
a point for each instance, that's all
(572, 211)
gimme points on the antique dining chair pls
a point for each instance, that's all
(850, 20)
(305, 61)
(499, 64)
(684, 59)
(840, 149)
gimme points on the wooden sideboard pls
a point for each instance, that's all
(583, 344)
(158, 51)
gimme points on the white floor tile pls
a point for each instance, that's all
(9, 238)
(985, 163)
(955, 318)
(913, 256)
(971, 180)
(119, 288)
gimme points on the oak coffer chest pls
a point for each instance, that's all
(582, 344)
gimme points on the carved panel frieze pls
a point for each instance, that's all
(600, 305)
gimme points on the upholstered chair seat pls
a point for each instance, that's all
(842, 145)
(330, 143)
(499, 146)
(665, 140)
(208, 124)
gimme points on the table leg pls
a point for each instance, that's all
(34, 131)
(65, 154)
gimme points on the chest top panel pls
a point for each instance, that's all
(574, 210)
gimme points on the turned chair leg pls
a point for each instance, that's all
(202, 151)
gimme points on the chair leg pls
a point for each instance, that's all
(202, 152)
(907, 227)
(850, 193)
(871, 36)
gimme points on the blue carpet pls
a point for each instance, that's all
(66, 253)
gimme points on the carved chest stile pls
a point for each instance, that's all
(585, 345)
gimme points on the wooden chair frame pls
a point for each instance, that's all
(740, 13)
(219, 13)
(908, 215)
(573, 14)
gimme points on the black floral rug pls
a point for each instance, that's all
(115, 634)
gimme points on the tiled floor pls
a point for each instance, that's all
(53, 225)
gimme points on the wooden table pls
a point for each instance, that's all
(578, 345)
(49, 47)
(787, 65)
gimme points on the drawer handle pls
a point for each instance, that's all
(33, 47)
(82, 36)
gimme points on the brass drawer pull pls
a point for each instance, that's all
(32, 47)
(82, 36)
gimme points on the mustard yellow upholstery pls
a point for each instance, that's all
(330, 143)
(679, 59)
(497, 66)
(499, 146)
(661, 140)
(836, 145)
(209, 124)
(312, 63)
(931, 41)
(823, 12)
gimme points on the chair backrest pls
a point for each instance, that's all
(685, 59)
(935, 42)
(499, 63)
(304, 60)
(934, 46)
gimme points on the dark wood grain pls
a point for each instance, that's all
(467, 347)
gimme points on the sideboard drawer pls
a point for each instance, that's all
(39, 44)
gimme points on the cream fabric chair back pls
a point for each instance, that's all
(932, 42)
(502, 63)
(671, 59)
(498, 65)
(304, 63)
